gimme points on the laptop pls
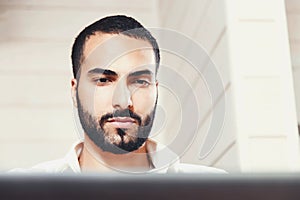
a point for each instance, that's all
(151, 187)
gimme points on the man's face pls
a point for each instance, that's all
(117, 92)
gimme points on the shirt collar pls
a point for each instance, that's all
(160, 156)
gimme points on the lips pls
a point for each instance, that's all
(121, 122)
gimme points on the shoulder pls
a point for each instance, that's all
(166, 157)
(69, 163)
(53, 166)
(192, 168)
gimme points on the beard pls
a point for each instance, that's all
(116, 140)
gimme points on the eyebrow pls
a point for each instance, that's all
(102, 71)
(112, 73)
(142, 72)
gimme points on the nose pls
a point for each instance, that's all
(122, 96)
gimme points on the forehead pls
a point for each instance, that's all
(117, 52)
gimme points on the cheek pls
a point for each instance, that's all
(85, 94)
(144, 101)
(93, 99)
(102, 100)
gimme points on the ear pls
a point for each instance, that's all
(74, 85)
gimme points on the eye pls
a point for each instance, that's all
(103, 81)
(141, 83)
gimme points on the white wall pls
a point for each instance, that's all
(205, 23)
(248, 41)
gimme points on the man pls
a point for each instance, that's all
(115, 62)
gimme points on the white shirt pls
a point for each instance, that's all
(163, 160)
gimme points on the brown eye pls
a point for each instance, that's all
(103, 80)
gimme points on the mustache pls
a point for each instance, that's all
(121, 113)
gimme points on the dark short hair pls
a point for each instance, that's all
(118, 24)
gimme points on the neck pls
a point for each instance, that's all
(94, 159)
